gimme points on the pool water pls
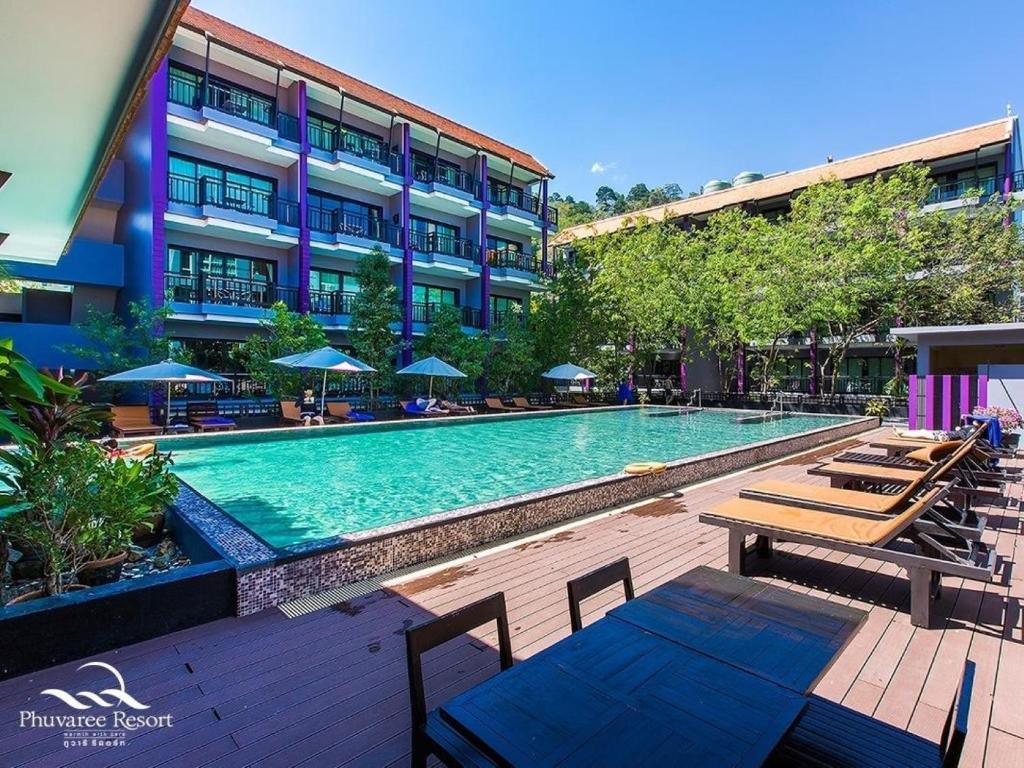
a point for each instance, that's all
(293, 486)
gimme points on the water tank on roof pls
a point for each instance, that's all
(746, 177)
(715, 185)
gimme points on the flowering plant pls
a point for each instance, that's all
(1008, 417)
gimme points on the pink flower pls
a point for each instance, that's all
(1008, 417)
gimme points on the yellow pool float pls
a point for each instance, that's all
(645, 468)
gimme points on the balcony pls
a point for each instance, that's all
(228, 292)
(331, 302)
(519, 201)
(508, 259)
(353, 225)
(446, 245)
(355, 144)
(500, 317)
(227, 195)
(232, 100)
(427, 313)
(984, 186)
(432, 173)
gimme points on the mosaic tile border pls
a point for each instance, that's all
(319, 566)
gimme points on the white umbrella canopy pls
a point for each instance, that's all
(431, 367)
(167, 371)
(569, 372)
(325, 359)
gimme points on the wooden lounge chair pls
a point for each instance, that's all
(132, 420)
(495, 404)
(340, 411)
(965, 522)
(979, 465)
(574, 401)
(409, 408)
(844, 474)
(290, 413)
(526, 405)
(206, 418)
(898, 539)
(831, 734)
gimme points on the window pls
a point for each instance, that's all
(198, 182)
(329, 213)
(504, 193)
(185, 86)
(332, 280)
(429, 236)
(323, 132)
(193, 262)
(447, 172)
(502, 305)
(432, 294)
(501, 244)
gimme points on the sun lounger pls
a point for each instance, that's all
(340, 411)
(495, 404)
(843, 474)
(811, 496)
(898, 539)
(525, 404)
(411, 408)
(206, 418)
(133, 420)
(574, 401)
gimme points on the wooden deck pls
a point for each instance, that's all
(329, 688)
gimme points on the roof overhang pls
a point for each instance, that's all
(988, 333)
(76, 75)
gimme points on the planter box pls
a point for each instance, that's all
(54, 630)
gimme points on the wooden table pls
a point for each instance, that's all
(708, 669)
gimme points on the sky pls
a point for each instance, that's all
(618, 93)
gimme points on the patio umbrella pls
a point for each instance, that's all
(431, 366)
(569, 372)
(325, 359)
(169, 372)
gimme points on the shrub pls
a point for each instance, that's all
(877, 407)
(1009, 418)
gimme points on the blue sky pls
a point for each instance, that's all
(617, 93)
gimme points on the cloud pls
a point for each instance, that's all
(599, 167)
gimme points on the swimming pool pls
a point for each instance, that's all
(295, 486)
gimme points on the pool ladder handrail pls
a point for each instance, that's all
(776, 401)
(695, 394)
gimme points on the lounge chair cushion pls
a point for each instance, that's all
(932, 453)
(828, 525)
(878, 472)
(822, 494)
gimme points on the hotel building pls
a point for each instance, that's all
(252, 174)
(985, 158)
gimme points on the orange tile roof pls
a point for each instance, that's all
(202, 22)
(921, 151)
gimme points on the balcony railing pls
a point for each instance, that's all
(943, 193)
(334, 221)
(237, 197)
(432, 242)
(228, 291)
(350, 143)
(440, 174)
(514, 198)
(331, 302)
(232, 100)
(845, 385)
(471, 317)
(500, 317)
(504, 258)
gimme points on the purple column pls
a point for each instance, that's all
(912, 401)
(983, 391)
(814, 386)
(929, 402)
(406, 248)
(682, 360)
(544, 226)
(304, 254)
(1008, 171)
(158, 179)
(741, 370)
(485, 267)
(947, 402)
(965, 395)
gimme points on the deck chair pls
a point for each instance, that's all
(979, 464)
(881, 505)
(290, 413)
(574, 401)
(340, 411)
(526, 405)
(431, 735)
(831, 734)
(897, 539)
(495, 404)
(598, 580)
(206, 418)
(132, 420)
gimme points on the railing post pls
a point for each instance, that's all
(485, 267)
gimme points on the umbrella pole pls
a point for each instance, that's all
(430, 386)
(167, 410)
(323, 393)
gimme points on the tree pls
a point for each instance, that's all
(115, 346)
(513, 366)
(446, 340)
(570, 211)
(285, 333)
(609, 202)
(374, 310)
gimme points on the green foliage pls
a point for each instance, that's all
(374, 310)
(284, 333)
(73, 504)
(513, 366)
(608, 202)
(445, 339)
(114, 346)
(62, 415)
(22, 387)
(877, 407)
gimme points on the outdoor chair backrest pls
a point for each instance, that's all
(435, 632)
(939, 469)
(955, 730)
(582, 587)
(199, 410)
(522, 402)
(131, 413)
(495, 403)
(290, 411)
(339, 410)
